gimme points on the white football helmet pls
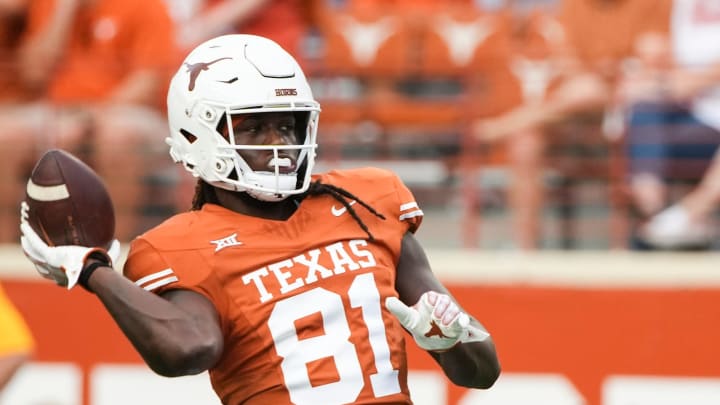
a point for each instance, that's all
(240, 74)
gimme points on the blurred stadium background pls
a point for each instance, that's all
(582, 317)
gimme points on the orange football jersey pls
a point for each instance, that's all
(301, 301)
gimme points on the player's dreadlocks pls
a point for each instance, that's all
(205, 193)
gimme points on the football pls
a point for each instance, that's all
(68, 203)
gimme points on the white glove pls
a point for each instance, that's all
(62, 264)
(435, 321)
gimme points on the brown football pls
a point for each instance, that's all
(68, 202)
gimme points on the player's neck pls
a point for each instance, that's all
(245, 204)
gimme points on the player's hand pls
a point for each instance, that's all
(62, 264)
(435, 321)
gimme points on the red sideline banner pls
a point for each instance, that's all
(559, 343)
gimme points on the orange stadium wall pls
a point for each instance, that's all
(598, 329)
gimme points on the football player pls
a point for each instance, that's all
(287, 286)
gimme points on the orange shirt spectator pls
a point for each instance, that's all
(570, 71)
(284, 21)
(102, 68)
(108, 40)
(601, 32)
(12, 24)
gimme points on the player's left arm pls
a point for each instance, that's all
(472, 361)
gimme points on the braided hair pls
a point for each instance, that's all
(205, 193)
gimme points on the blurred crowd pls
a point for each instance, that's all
(640, 78)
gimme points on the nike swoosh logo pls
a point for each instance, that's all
(339, 211)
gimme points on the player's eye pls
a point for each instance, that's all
(247, 127)
(286, 125)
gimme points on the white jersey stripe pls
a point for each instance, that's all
(154, 276)
(160, 283)
(407, 206)
(411, 214)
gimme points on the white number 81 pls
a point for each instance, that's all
(334, 343)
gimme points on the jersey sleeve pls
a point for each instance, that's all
(159, 271)
(407, 209)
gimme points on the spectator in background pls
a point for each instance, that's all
(284, 21)
(673, 97)
(13, 18)
(534, 36)
(13, 155)
(571, 72)
(16, 341)
(100, 67)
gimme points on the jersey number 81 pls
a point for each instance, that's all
(335, 343)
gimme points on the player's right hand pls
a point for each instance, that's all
(62, 264)
(435, 321)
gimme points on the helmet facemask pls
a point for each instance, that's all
(285, 176)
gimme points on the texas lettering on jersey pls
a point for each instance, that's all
(300, 301)
(305, 269)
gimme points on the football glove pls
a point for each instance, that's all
(62, 264)
(435, 321)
